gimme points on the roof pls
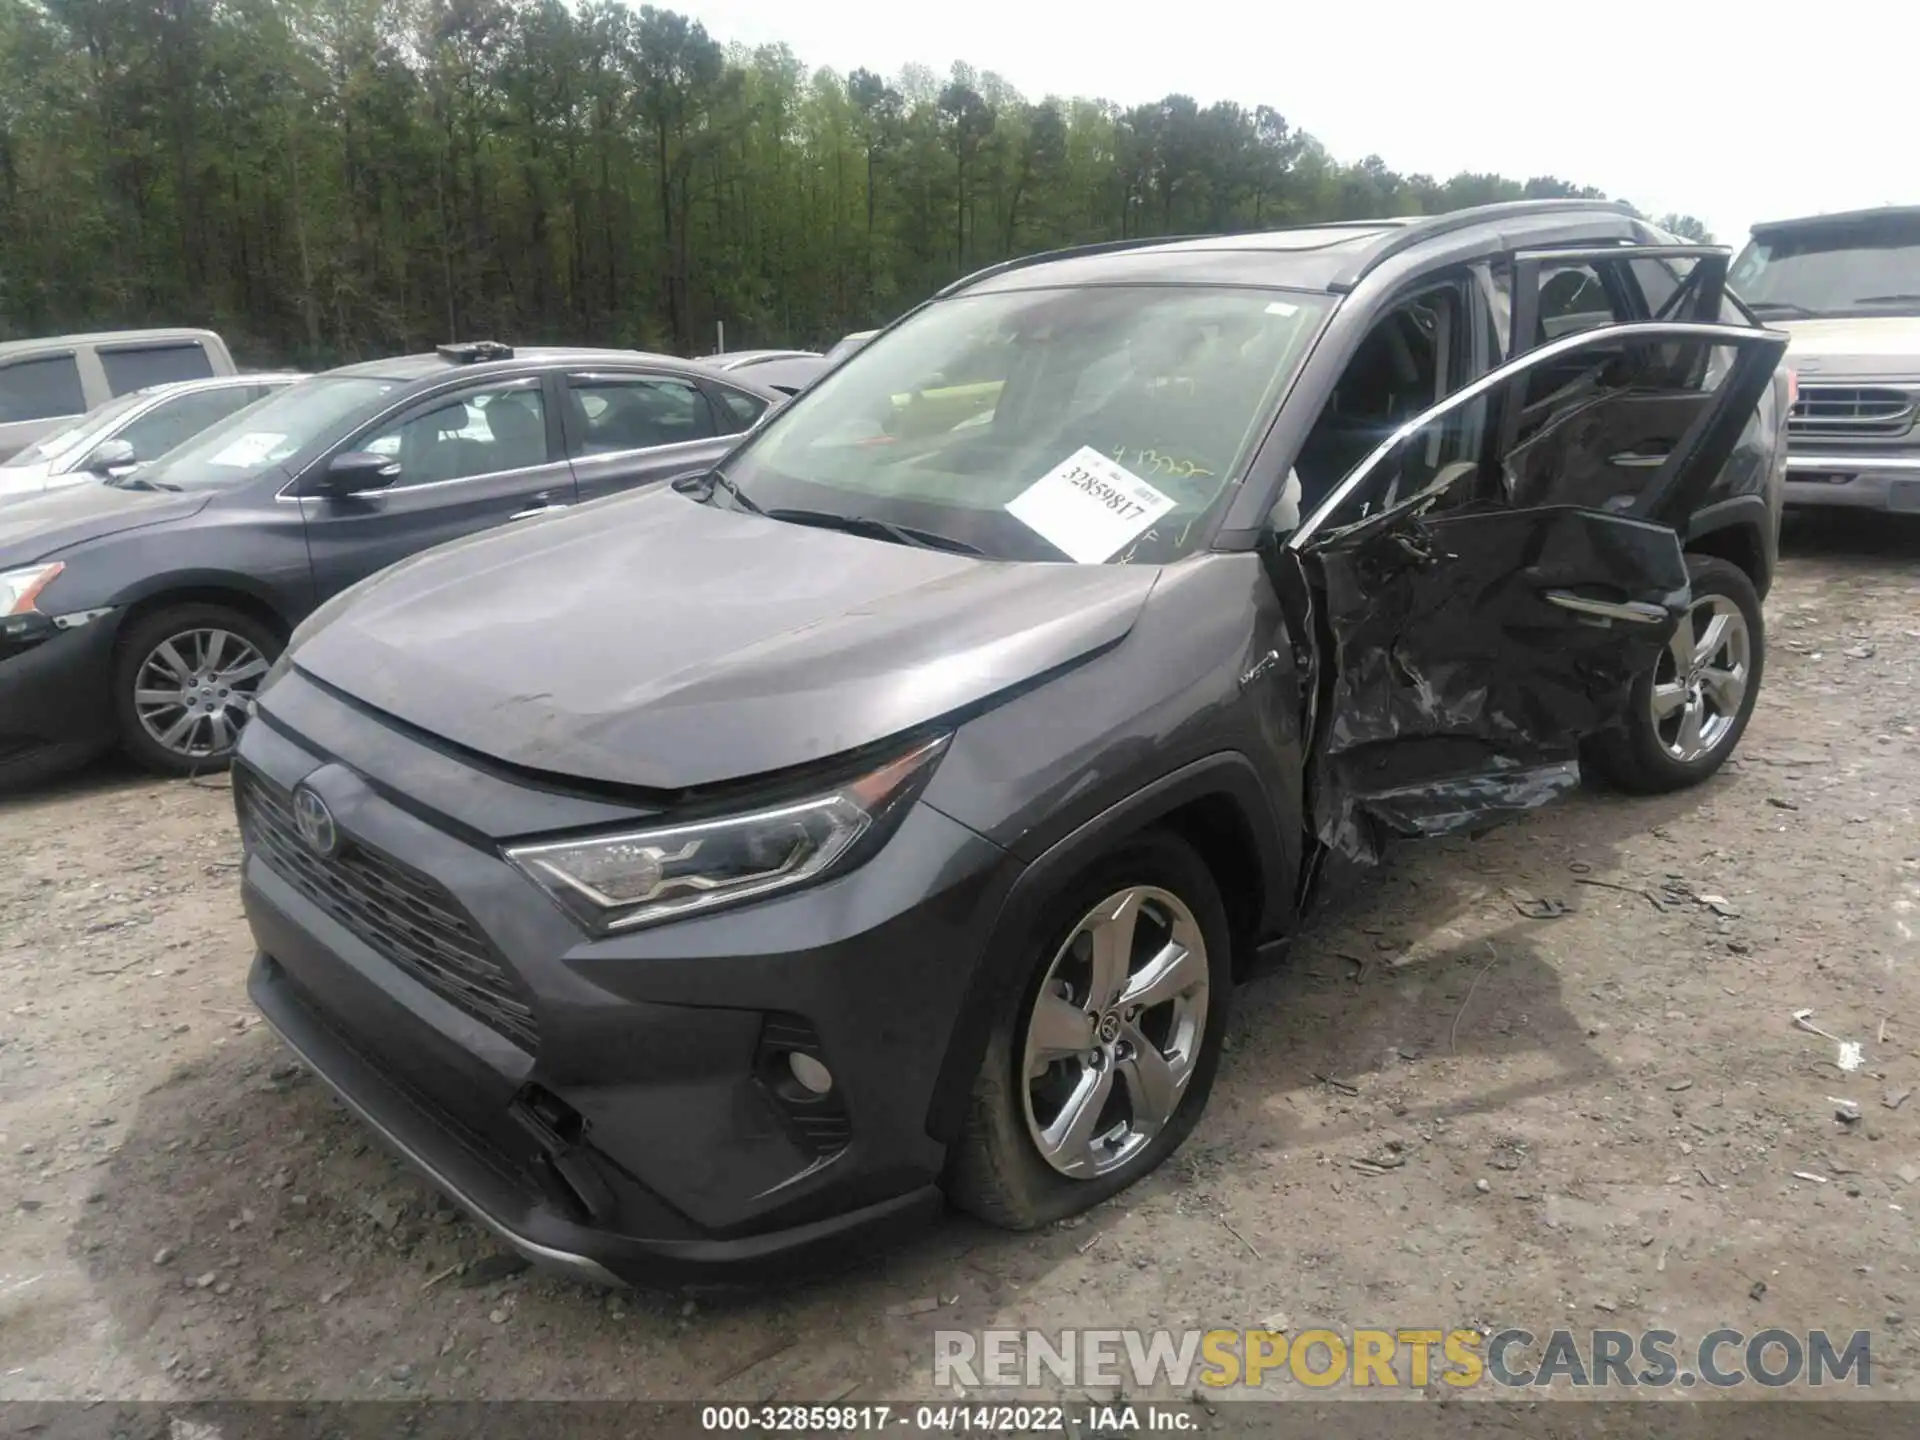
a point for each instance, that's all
(1838, 219)
(1330, 256)
(223, 382)
(430, 364)
(737, 359)
(788, 374)
(104, 337)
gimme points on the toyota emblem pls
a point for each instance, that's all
(314, 821)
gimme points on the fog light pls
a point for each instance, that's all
(812, 1075)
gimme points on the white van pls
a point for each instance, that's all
(45, 383)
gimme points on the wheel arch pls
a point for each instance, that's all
(1735, 530)
(230, 591)
(1217, 805)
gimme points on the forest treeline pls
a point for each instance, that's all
(329, 179)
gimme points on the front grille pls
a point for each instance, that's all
(1842, 411)
(405, 918)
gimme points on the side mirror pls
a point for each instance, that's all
(354, 472)
(110, 458)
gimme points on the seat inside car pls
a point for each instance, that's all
(519, 433)
(1391, 378)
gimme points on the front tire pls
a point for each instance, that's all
(181, 683)
(1100, 1066)
(1687, 714)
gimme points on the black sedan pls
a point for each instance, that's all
(146, 611)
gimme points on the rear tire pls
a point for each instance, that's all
(181, 681)
(998, 1171)
(1684, 718)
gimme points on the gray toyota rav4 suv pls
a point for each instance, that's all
(686, 881)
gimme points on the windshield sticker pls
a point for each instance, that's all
(1281, 307)
(1089, 507)
(1152, 462)
(249, 449)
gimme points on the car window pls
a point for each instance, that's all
(73, 437)
(637, 412)
(135, 367)
(293, 426)
(1573, 298)
(44, 388)
(1866, 266)
(483, 431)
(743, 408)
(1415, 355)
(175, 421)
(1659, 281)
(1037, 424)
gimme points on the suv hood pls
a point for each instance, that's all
(32, 527)
(653, 641)
(1877, 346)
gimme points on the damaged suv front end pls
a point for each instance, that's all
(691, 880)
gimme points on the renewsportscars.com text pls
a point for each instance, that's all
(1511, 1358)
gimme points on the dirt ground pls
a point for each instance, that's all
(1593, 1119)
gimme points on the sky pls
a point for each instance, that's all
(1734, 113)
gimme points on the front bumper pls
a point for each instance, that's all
(57, 691)
(495, 1197)
(1861, 482)
(632, 1124)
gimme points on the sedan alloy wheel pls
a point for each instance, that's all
(192, 689)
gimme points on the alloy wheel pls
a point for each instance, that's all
(191, 691)
(1115, 1032)
(1701, 680)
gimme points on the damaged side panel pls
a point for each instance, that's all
(1471, 652)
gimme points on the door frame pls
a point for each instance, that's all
(1680, 479)
(1708, 278)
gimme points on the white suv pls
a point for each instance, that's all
(1846, 287)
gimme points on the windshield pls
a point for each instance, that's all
(1867, 268)
(286, 427)
(75, 435)
(1092, 424)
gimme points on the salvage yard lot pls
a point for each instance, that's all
(1455, 1106)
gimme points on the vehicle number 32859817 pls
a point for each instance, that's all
(1118, 501)
(944, 1419)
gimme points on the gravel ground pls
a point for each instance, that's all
(1443, 1111)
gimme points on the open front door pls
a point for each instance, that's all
(1491, 580)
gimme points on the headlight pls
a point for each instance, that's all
(20, 588)
(640, 877)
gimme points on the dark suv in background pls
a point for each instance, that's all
(147, 609)
(690, 879)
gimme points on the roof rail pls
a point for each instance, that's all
(1399, 232)
(472, 352)
(1069, 252)
(1428, 227)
